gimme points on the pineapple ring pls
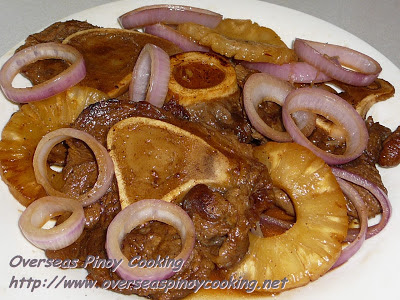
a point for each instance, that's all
(26, 128)
(310, 248)
(242, 40)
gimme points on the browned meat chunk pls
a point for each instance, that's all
(216, 220)
(158, 239)
(390, 155)
(98, 118)
(225, 114)
(377, 135)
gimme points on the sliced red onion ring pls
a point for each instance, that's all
(104, 163)
(333, 108)
(362, 212)
(74, 74)
(268, 220)
(169, 14)
(137, 214)
(150, 76)
(320, 56)
(296, 72)
(41, 211)
(374, 190)
(260, 87)
(174, 36)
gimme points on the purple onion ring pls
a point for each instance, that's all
(137, 214)
(61, 82)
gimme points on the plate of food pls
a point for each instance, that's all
(207, 150)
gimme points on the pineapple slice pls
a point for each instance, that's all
(25, 129)
(308, 249)
(241, 40)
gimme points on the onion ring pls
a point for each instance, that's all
(58, 237)
(260, 86)
(295, 72)
(169, 14)
(139, 213)
(150, 76)
(268, 220)
(174, 36)
(320, 56)
(104, 163)
(359, 205)
(333, 108)
(69, 77)
(374, 190)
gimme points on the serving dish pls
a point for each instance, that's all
(368, 275)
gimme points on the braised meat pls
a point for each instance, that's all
(158, 239)
(226, 114)
(109, 54)
(100, 117)
(390, 155)
(223, 216)
(365, 166)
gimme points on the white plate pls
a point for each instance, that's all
(371, 274)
